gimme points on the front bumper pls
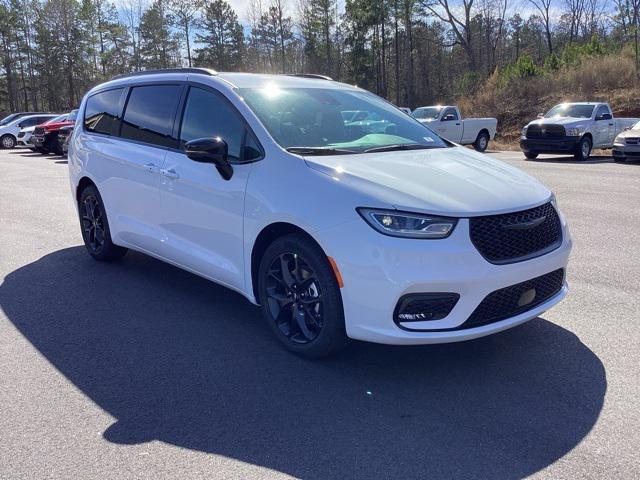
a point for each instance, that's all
(564, 145)
(38, 140)
(379, 270)
(626, 151)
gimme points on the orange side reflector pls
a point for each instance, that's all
(334, 265)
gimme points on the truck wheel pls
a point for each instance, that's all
(482, 142)
(530, 155)
(583, 150)
(619, 159)
(8, 141)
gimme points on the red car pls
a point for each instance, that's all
(45, 136)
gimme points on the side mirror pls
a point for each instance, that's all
(541, 115)
(210, 150)
(604, 116)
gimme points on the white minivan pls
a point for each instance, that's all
(337, 229)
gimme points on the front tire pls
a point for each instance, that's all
(8, 141)
(300, 297)
(530, 155)
(482, 142)
(95, 227)
(619, 159)
(583, 149)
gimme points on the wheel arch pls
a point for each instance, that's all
(83, 183)
(266, 237)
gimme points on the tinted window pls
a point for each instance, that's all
(207, 114)
(149, 114)
(601, 111)
(101, 115)
(29, 122)
(450, 114)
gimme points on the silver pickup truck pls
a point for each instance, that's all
(574, 129)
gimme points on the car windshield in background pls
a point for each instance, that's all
(60, 118)
(427, 113)
(319, 121)
(574, 111)
(8, 119)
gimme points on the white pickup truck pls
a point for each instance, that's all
(447, 122)
(573, 128)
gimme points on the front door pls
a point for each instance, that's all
(450, 125)
(202, 213)
(603, 128)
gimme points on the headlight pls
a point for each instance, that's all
(618, 140)
(408, 225)
(573, 132)
(524, 131)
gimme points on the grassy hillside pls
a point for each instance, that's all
(516, 94)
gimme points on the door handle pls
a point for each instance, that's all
(457, 124)
(170, 173)
(610, 124)
(151, 167)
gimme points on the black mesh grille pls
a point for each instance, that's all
(517, 236)
(507, 302)
(38, 130)
(545, 131)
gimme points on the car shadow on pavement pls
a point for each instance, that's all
(593, 160)
(179, 359)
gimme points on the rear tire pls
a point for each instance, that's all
(300, 297)
(8, 141)
(619, 159)
(482, 142)
(530, 156)
(583, 149)
(95, 227)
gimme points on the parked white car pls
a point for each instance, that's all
(447, 122)
(626, 145)
(9, 132)
(262, 184)
(574, 129)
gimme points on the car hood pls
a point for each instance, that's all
(449, 181)
(566, 121)
(630, 133)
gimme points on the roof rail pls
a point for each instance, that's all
(203, 71)
(310, 75)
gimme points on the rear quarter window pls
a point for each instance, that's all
(102, 112)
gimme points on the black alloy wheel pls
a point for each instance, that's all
(300, 297)
(294, 298)
(92, 219)
(95, 227)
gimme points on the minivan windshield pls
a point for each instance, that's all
(328, 121)
(427, 113)
(569, 110)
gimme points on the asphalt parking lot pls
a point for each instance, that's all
(140, 370)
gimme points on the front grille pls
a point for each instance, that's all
(632, 141)
(38, 130)
(518, 236)
(509, 302)
(545, 131)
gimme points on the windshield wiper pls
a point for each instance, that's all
(320, 151)
(399, 146)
